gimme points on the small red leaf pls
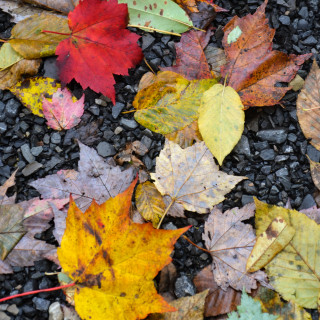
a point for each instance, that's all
(98, 47)
(62, 113)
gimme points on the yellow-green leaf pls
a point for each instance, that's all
(269, 244)
(28, 39)
(169, 106)
(295, 271)
(149, 202)
(221, 120)
(31, 92)
(8, 56)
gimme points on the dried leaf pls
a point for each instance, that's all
(186, 136)
(272, 304)
(10, 76)
(4, 188)
(98, 251)
(61, 112)
(269, 244)
(96, 179)
(90, 42)
(216, 58)
(32, 44)
(8, 56)
(218, 301)
(191, 61)
(166, 107)
(253, 69)
(191, 178)
(230, 242)
(149, 202)
(31, 92)
(308, 106)
(63, 6)
(294, 271)
(221, 120)
(297, 83)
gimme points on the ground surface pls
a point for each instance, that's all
(276, 171)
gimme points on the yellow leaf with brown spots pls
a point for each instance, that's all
(113, 260)
(269, 244)
(295, 271)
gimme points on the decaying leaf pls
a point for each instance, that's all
(272, 304)
(221, 120)
(162, 16)
(31, 92)
(98, 251)
(96, 179)
(130, 153)
(191, 308)
(230, 242)
(253, 69)
(218, 301)
(63, 6)
(308, 106)
(90, 42)
(186, 136)
(28, 40)
(191, 5)
(62, 112)
(149, 202)
(294, 271)
(249, 309)
(8, 56)
(191, 178)
(166, 107)
(191, 61)
(269, 244)
(4, 188)
(10, 76)
(216, 58)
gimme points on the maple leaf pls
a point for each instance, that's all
(96, 179)
(62, 112)
(308, 106)
(113, 261)
(191, 61)
(191, 5)
(230, 242)
(91, 55)
(253, 69)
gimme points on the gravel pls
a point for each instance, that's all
(271, 152)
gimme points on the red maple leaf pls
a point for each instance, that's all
(98, 47)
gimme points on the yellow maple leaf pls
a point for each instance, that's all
(113, 261)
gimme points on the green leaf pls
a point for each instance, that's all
(250, 309)
(8, 56)
(163, 16)
(169, 106)
(221, 120)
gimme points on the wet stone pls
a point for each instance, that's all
(106, 149)
(4, 316)
(313, 153)
(41, 304)
(275, 136)
(303, 12)
(285, 20)
(146, 141)
(243, 146)
(267, 154)
(55, 312)
(283, 172)
(36, 150)
(245, 199)
(31, 168)
(55, 138)
(3, 127)
(310, 41)
(116, 109)
(307, 202)
(184, 287)
(26, 152)
(13, 309)
(12, 108)
(128, 124)
(147, 41)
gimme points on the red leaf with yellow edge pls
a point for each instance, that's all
(253, 69)
(98, 47)
(113, 260)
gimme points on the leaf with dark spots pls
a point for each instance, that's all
(116, 263)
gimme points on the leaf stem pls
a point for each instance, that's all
(37, 291)
(205, 250)
(169, 206)
(54, 32)
(128, 111)
(2, 40)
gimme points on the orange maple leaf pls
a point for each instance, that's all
(113, 261)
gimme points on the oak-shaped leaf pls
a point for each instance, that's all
(96, 178)
(294, 271)
(190, 177)
(170, 105)
(253, 68)
(191, 61)
(230, 242)
(218, 301)
(308, 106)
(113, 261)
(100, 40)
(62, 112)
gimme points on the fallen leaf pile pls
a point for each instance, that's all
(111, 247)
